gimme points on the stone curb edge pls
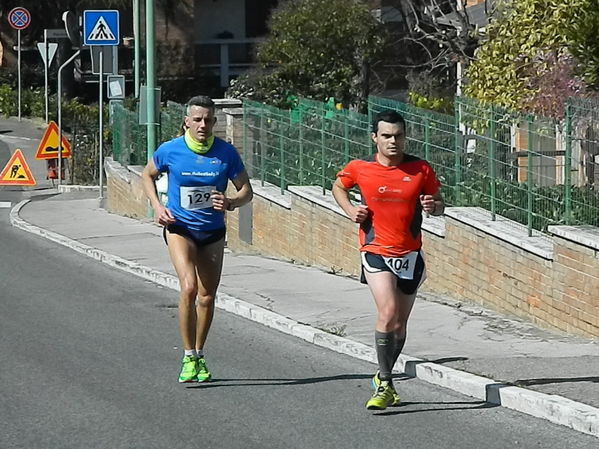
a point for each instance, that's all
(554, 408)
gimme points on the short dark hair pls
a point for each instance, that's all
(388, 116)
(203, 101)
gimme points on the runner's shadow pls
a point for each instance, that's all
(555, 380)
(443, 406)
(216, 383)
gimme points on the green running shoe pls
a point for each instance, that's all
(189, 369)
(376, 383)
(203, 374)
(382, 397)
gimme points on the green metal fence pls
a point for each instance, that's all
(303, 146)
(533, 170)
(129, 138)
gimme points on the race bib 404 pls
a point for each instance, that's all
(403, 266)
(196, 197)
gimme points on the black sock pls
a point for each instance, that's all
(384, 352)
(398, 343)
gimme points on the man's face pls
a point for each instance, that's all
(200, 122)
(390, 139)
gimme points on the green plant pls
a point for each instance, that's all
(8, 100)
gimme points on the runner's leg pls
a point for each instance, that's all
(183, 254)
(209, 264)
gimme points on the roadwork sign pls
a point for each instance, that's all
(16, 172)
(48, 147)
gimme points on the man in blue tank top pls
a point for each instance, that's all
(199, 167)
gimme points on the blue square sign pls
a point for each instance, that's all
(101, 27)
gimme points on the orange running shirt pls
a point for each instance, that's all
(392, 194)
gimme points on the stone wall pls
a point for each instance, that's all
(548, 279)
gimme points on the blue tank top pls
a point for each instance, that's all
(192, 176)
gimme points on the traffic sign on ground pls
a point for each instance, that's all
(48, 147)
(19, 18)
(101, 27)
(16, 171)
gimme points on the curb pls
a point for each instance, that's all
(554, 408)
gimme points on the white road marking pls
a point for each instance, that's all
(16, 137)
(5, 204)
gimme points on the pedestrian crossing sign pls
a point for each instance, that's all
(16, 172)
(101, 27)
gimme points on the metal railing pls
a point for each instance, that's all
(533, 170)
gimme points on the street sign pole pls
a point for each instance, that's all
(59, 93)
(101, 119)
(19, 18)
(101, 28)
(46, 65)
(19, 70)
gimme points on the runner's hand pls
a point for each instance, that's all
(219, 201)
(428, 203)
(359, 213)
(163, 216)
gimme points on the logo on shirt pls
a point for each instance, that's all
(199, 173)
(384, 189)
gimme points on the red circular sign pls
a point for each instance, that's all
(19, 18)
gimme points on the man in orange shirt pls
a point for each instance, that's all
(395, 188)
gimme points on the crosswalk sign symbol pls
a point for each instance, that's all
(48, 147)
(16, 172)
(101, 27)
(101, 32)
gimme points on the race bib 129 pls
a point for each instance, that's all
(196, 197)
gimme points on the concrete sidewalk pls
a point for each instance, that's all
(460, 346)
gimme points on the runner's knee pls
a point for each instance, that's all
(189, 289)
(206, 300)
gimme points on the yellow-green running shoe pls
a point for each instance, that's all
(376, 382)
(382, 397)
(189, 369)
(203, 374)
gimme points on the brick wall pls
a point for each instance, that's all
(559, 291)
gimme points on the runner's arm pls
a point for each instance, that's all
(358, 213)
(243, 196)
(162, 215)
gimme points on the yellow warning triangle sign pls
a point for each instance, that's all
(17, 172)
(48, 147)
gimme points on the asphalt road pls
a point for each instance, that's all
(90, 358)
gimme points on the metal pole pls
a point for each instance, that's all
(150, 79)
(19, 70)
(568, 166)
(529, 183)
(46, 64)
(136, 45)
(59, 93)
(101, 117)
(492, 163)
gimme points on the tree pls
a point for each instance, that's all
(522, 40)
(428, 45)
(583, 41)
(316, 49)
